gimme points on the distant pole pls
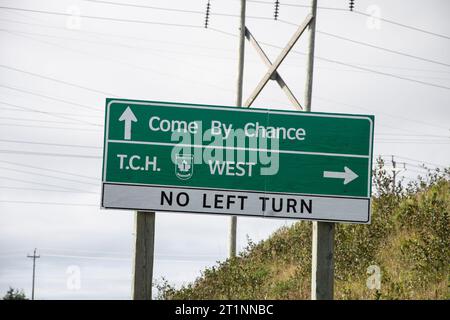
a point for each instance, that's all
(394, 173)
(322, 269)
(143, 255)
(34, 256)
(233, 221)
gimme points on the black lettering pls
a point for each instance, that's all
(305, 205)
(273, 205)
(218, 201)
(242, 198)
(165, 198)
(291, 204)
(230, 200)
(264, 199)
(204, 202)
(186, 199)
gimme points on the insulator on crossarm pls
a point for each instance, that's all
(277, 10)
(208, 9)
(352, 4)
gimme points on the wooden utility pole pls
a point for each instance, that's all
(322, 280)
(240, 80)
(34, 257)
(143, 255)
(394, 174)
(322, 271)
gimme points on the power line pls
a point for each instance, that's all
(17, 108)
(177, 52)
(284, 21)
(49, 97)
(47, 127)
(350, 65)
(412, 135)
(415, 142)
(380, 48)
(56, 80)
(66, 155)
(50, 144)
(39, 183)
(96, 33)
(360, 13)
(386, 114)
(146, 7)
(223, 14)
(115, 44)
(358, 67)
(140, 68)
(421, 161)
(49, 170)
(50, 203)
(405, 25)
(39, 120)
(49, 176)
(46, 190)
(182, 44)
(103, 18)
(382, 73)
(128, 46)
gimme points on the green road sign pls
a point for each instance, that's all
(226, 160)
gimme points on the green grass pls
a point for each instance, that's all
(408, 239)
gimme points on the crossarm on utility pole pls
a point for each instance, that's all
(276, 75)
(278, 61)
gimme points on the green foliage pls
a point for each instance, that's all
(408, 239)
(14, 294)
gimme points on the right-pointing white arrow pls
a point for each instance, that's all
(127, 116)
(348, 175)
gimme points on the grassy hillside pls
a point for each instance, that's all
(408, 239)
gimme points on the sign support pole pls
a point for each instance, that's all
(233, 220)
(322, 269)
(143, 255)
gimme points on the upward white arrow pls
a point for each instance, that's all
(127, 116)
(348, 175)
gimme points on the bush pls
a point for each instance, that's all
(408, 239)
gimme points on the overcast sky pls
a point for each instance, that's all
(56, 71)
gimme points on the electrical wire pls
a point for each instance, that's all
(38, 183)
(65, 155)
(56, 80)
(349, 64)
(49, 170)
(370, 70)
(140, 67)
(60, 115)
(49, 97)
(50, 203)
(382, 48)
(46, 190)
(51, 144)
(405, 25)
(49, 176)
(47, 127)
(103, 18)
